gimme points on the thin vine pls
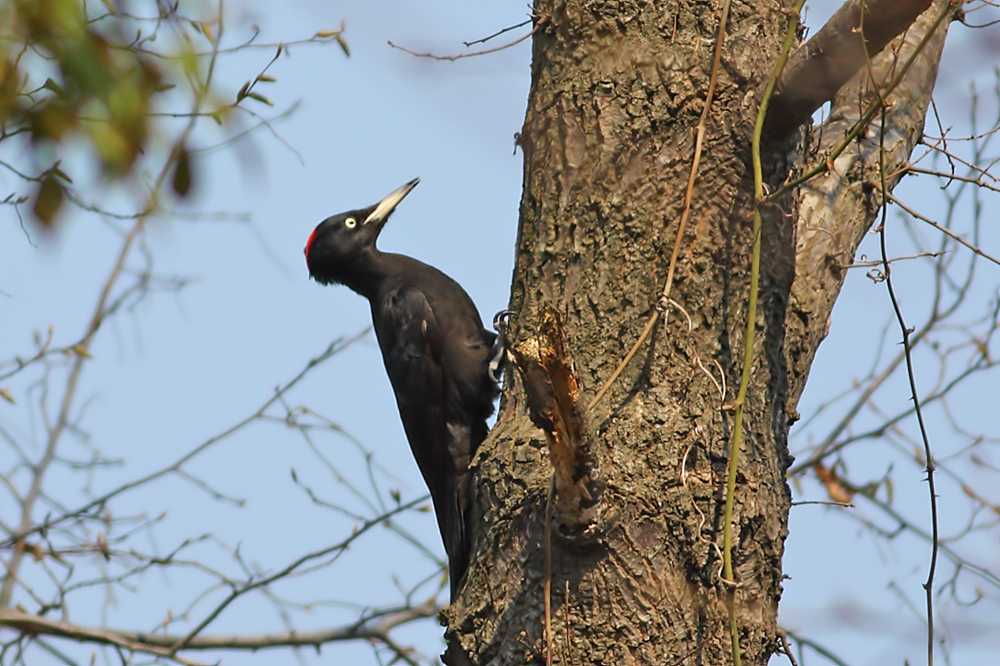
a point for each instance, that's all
(925, 440)
(664, 300)
(737, 436)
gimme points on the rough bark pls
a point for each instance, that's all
(617, 90)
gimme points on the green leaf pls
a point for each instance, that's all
(80, 350)
(48, 201)
(207, 29)
(54, 87)
(182, 173)
(59, 172)
(260, 98)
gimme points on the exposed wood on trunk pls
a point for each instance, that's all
(552, 391)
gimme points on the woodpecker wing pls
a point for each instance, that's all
(412, 349)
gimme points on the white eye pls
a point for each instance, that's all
(350, 223)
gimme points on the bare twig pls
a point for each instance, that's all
(239, 590)
(538, 25)
(946, 231)
(498, 33)
(335, 347)
(376, 627)
(907, 349)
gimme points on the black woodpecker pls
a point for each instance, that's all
(436, 351)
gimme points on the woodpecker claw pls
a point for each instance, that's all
(500, 345)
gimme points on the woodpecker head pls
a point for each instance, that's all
(339, 244)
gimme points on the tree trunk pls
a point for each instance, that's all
(635, 565)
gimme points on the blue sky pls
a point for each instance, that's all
(179, 368)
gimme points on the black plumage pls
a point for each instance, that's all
(436, 353)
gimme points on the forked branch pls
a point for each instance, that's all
(818, 69)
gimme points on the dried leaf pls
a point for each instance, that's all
(33, 549)
(343, 46)
(837, 491)
(266, 78)
(5, 394)
(103, 548)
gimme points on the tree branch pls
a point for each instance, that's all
(824, 64)
(372, 628)
(835, 210)
(98, 503)
(552, 390)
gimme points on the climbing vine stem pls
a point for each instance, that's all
(737, 433)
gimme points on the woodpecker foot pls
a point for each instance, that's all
(500, 345)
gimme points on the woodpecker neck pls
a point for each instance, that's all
(366, 274)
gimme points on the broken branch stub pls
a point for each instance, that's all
(552, 389)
